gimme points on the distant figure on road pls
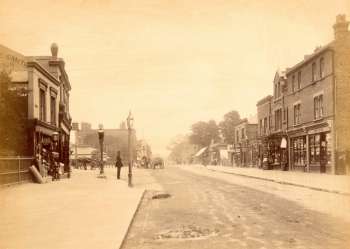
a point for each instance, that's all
(118, 164)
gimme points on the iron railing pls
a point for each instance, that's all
(14, 170)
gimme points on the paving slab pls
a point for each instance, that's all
(81, 212)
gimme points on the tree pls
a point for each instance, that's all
(13, 115)
(181, 150)
(204, 132)
(231, 119)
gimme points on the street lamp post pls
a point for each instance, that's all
(55, 154)
(55, 137)
(101, 138)
(130, 122)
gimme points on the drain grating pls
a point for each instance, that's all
(186, 232)
(161, 196)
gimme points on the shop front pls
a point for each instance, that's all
(311, 150)
(320, 152)
(49, 143)
(277, 149)
(298, 153)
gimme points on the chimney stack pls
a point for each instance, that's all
(340, 27)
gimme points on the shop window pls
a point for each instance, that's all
(42, 104)
(299, 151)
(297, 114)
(314, 141)
(274, 152)
(320, 147)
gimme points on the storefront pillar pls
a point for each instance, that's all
(289, 148)
(307, 153)
(331, 123)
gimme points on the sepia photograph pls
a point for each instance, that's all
(174, 124)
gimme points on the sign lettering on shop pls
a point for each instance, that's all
(11, 60)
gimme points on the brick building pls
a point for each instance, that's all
(245, 147)
(47, 88)
(309, 111)
(114, 140)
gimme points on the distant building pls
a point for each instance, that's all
(75, 126)
(143, 149)
(245, 150)
(218, 154)
(114, 140)
(305, 125)
(85, 126)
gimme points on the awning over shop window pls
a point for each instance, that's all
(201, 151)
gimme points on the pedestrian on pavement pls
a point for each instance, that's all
(118, 164)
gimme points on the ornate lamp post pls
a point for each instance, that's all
(55, 147)
(101, 138)
(55, 154)
(130, 124)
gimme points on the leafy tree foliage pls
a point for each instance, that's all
(204, 132)
(181, 150)
(231, 119)
(13, 118)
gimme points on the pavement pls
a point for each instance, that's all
(81, 212)
(339, 184)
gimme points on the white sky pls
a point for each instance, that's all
(171, 62)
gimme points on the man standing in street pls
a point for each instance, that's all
(118, 164)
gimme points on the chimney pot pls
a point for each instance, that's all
(54, 50)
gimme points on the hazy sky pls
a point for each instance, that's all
(172, 62)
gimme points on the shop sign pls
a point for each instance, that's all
(11, 60)
(319, 130)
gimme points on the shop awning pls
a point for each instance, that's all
(201, 151)
(83, 152)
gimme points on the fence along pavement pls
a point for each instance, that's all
(14, 170)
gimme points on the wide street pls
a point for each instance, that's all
(209, 212)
